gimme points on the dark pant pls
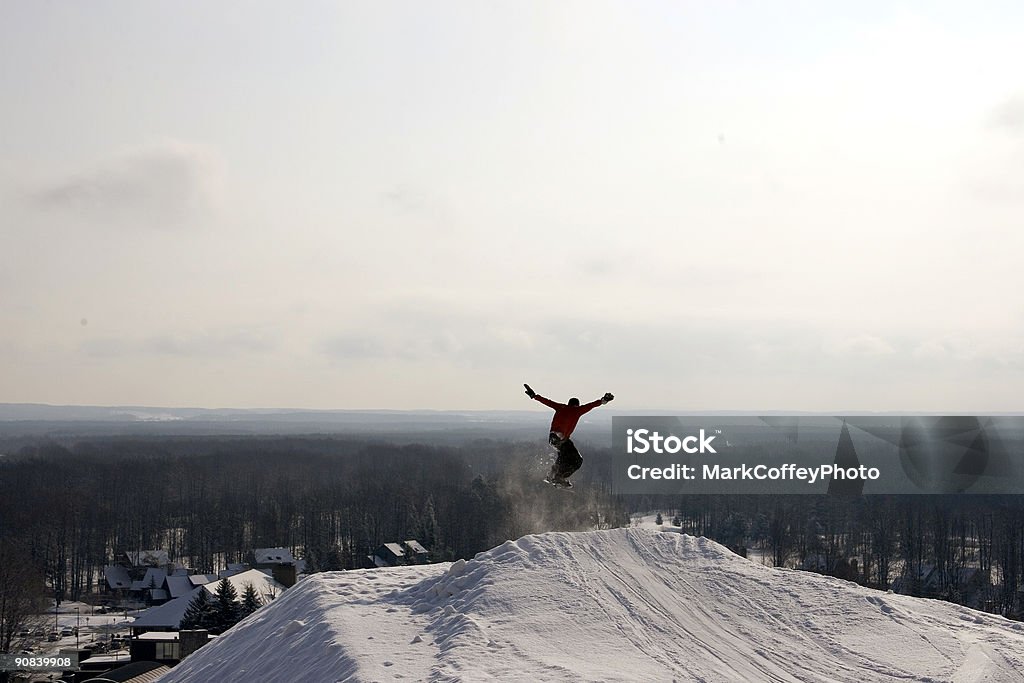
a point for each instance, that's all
(569, 459)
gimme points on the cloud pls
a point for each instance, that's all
(409, 344)
(162, 185)
(215, 343)
(861, 345)
(424, 204)
(931, 350)
(423, 332)
(405, 198)
(1010, 114)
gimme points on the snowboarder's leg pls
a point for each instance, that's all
(555, 439)
(569, 460)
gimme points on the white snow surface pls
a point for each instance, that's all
(619, 605)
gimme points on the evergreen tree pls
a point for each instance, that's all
(335, 561)
(200, 612)
(676, 521)
(250, 600)
(226, 606)
(658, 520)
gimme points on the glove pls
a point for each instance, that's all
(530, 392)
(607, 397)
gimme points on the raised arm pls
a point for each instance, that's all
(599, 402)
(537, 397)
(554, 405)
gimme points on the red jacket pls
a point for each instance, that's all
(566, 416)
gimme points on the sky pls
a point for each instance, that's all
(729, 205)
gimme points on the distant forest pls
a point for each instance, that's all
(67, 509)
(964, 549)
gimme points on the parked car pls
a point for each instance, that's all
(53, 636)
(66, 631)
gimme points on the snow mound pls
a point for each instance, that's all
(622, 605)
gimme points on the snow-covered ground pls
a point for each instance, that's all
(620, 605)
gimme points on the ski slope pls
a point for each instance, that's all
(619, 605)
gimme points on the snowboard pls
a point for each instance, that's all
(558, 485)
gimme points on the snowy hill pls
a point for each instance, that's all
(625, 604)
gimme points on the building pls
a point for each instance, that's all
(167, 617)
(279, 562)
(396, 554)
(140, 575)
(135, 672)
(151, 587)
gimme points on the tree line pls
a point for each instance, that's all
(67, 509)
(965, 549)
(72, 508)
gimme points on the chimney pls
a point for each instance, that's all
(190, 641)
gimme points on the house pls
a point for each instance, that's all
(279, 562)
(416, 552)
(176, 586)
(136, 573)
(167, 617)
(150, 588)
(147, 558)
(395, 554)
(388, 555)
(941, 582)
(168, 647)
(118, 580)
(135, 672)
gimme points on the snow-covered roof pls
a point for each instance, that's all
(155, 576)
(158, 635)
(200, 579)
(169, 614)
(117, 577)
(396, 548)
(179, 585)
(415, 545)
(274, 556)
(109, 658)
(267, 587)
(135, 672)
(151, 558)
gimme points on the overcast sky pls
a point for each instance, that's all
(695, 205)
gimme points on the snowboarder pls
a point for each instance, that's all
(566, 416)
